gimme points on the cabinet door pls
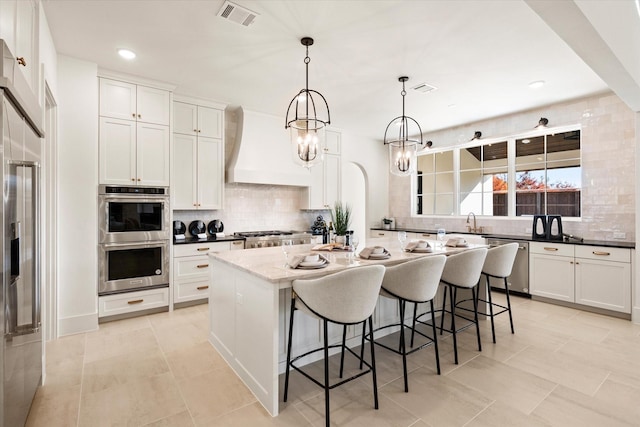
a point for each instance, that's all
(210, 173)
(209, 122)
(603, 284)
(185, 153)
(25, 40)
(152, 154)
(185, 118)
(316, 188)
(117, 99)
(552, 277)
(117, 150)
(153, 105)
(8, 23)
(332, 179)
(333, 142)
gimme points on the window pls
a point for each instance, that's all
(548, 175)
(539, 174)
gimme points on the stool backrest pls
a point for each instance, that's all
(416, 280)
(499, 261)
(346, 297)
(464, 269)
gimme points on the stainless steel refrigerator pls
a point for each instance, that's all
(21, 351)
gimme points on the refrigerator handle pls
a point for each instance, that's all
(15, 250)
(36, 283)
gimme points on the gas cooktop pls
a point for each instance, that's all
(268, 238)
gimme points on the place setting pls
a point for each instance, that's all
(418, 246)
(374, 253)
(308, 261)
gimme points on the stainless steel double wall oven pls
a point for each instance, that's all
(134, 238)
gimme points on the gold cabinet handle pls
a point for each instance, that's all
(380, 234)
(133, 115)
(21, 61)
(202, 265)
(601, 253)
(202, 249)
(139, 116)
(550, 249)
(133, 179)
(135, 301)
(426, 235)
(237, 242)
(202, 288)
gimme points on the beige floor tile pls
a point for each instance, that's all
(437, 399)
(132, 403)
(255, 415)
(64, 371)
(179, 336)
(193, 314)
(557, 368)
(65, 348)
(183, 419)
(213, 394)
(114, 371)
(499, 414)
(124, 325)
(620, 399)
(498, 381)
(194, 360)
(568, 408)
(105, 345)
(600, 356)
(55, 407)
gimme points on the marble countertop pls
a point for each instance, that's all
(269, 263)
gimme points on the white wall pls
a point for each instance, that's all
(48, 55)
(77, 188)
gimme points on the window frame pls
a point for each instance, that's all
(511, 171)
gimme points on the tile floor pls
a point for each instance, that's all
(563, 367)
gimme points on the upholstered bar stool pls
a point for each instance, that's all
(462, 271)
(498, 264)
(345, 298)
(415, 282)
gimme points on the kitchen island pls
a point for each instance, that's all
(249, 304)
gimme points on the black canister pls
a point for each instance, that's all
(554, 227)
(539, 230)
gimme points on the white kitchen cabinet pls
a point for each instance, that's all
(128, 101)
(383, 234)
(192, 268)
(192, 119)
(588, 275)
(325, 187)
(603, 277)
(198, 158)
(19, 30)
(130, 302)
(133, 153)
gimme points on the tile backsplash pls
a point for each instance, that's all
(608, 170)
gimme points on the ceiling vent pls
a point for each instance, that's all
(424, 88)
(237, 14)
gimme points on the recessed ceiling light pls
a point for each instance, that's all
(537, 84)
(126, 53)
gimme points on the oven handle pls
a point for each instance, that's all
(163, 243)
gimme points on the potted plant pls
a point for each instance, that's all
(341, 218)
(386, 223)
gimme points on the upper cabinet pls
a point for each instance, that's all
(19, 30)
(191, 119)
(198, 155)
(134, 135)
(127, 101)
(325, 187)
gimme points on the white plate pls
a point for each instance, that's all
(380, 256)
(424, 250)
(312, 263)
(313, 267)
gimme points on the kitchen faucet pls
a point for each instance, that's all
(475, 229)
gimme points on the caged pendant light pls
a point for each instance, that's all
(403, 148)
(307, 129)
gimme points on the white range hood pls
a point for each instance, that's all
(262, 154)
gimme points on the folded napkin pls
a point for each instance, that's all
(295, 260)
(456, 242)
(326, 247)
(414, 245)
(367, 252)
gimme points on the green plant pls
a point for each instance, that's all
(341, 217)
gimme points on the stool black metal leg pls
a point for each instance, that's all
(403, 349)
(344, 339)
(435, 335)
(506, 291)
(493, 328)
(286, 375)
(413, 325)
(444, 304)
(326, 373)
(453, 325)
(373, 366)
(364, 329)
(475, 316)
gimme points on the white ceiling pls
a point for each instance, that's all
(480, 55)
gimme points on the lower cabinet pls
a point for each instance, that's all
(192, 268)
(594, 276)
(112, 305)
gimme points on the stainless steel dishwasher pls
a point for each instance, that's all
(518, 281)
